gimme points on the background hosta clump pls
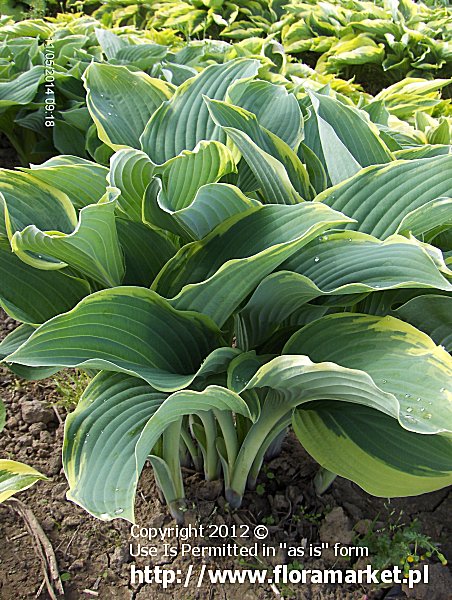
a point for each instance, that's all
(413, 110)
(377, 42)
(255, 256)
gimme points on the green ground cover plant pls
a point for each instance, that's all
(358, 37)
(412, 111)
(254, 257)
(377, 42)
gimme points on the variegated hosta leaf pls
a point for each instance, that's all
(141, 56)
(22, 89)
(83, 181)
(298, 380)
(401, 360)
(380, 197)
(215, 274)
(92, 248)
(425, 151)
(167, 134)
(371, 449)
(16, 477)
(49, 209)
(131, 172)
(342, 138)
(411, 94)
(131, 330)
(183, 175)
(213, 204)
(109, 42)
(280, 173)
(431, 314)
(121, 102)
(429, 219)
(34, 296)
(187, 200)
(113, 430)
(335, 264)
(275, 109)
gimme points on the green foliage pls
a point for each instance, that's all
(241, 266)
(376, 42)
(44, 112)
(69, 387)
(398, 544)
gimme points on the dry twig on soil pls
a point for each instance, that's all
(42, 546)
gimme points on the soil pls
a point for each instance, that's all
(94, 557)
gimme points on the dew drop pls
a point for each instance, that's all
(407, 395)
(418, 399)
(427, 416)
(349, 239)
(316, 259)
(384, 381)
(423, 409)
(409, 409)
(101, 95)
(116, 489)
(442, 390)
(109, 114)
(410, 418)
(118, 511)
(430, 403)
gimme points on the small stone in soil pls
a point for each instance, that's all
(34, 412)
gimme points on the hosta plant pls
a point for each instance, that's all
(378, 42)
(42, 63)
(251, 260)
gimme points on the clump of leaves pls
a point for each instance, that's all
(253, 258)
